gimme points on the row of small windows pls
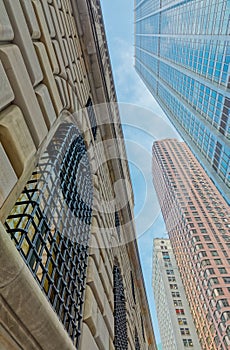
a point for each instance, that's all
(215, 280)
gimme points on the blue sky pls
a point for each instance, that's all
(143, 122)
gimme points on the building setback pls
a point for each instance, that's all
(182, 53)
(197, 221)
(174, 317)
(70, 275)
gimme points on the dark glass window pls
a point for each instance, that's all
(92, 117)
(120, 322)
(137, 343)
(117, 225)
(133, 287)
(142, 328)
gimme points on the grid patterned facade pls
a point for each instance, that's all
(174, 317)
(182, 54)
(50, 225)
(61, 231)
(198, 224)
(120, 320)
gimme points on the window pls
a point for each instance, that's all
(203, 230)
(168, 264)
(205, 262)
(218, 261)
(117, 224)
(193, 231)
(196, 239)
(120, 322)
(222, 303)
(207, 238)
(209, 271)
(169, 272)
(202, 254)
(184, 331)
(177, 303)
(228, 331)
(222, 270)
(171, 279)
(210, 245)
(137, 343)
(217, 291)
(165, 256)
(188, 343)
(142, 328)
(92, 117)
(133, 287)
(175, 294)
(214, 252)
(200, 246)
(173, 286)
(226, 280)
(213, 280)
(225, 317)
(182, 321)
(227, 342)
(180, 311)
(58, 199)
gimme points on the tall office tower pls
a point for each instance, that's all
(198, 224)
(70, 275)
(182, 54)
(174, 317)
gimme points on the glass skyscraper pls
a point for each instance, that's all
(182, 53)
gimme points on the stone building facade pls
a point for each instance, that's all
(173, 313)
(70, 274)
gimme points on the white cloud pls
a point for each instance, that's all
(130, 86)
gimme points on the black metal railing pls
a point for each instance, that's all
(50, 224)
(120, 322)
